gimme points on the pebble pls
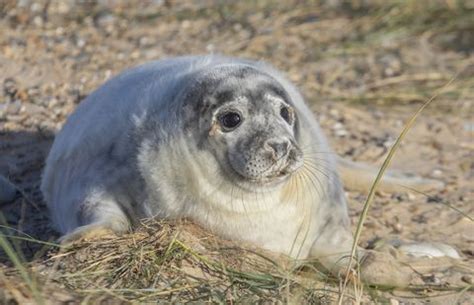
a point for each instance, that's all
(397, 228)
(210, 47)
(339, 130)
(334, 113)
(31, 109)
(394, 302)
(391, 65)
(14, 107)
(430, 250)
(10, 87)
(431, 279)
(144, 41)
(467, 279)
(80, 43)
(411, 196)
(469, 126)
(3, 110)
(38, 21)
(400, 197)
(341, 133)
(434, 199)
(437, 173)
(52, 103)
(388, 143)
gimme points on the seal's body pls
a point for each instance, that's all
(158, 141)
(227, 143)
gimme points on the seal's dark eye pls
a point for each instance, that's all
(285, 114)
(230, 120)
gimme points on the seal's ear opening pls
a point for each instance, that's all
(296, 126)
(196, 103)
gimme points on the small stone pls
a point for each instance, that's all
(3, 110)
(388, 143)
(35, 7)
(106, 21)
(31, 109)
(334, 113)
(394, 302)
(339, 130)
(391, 64)
(211, 47)
(469, 126)
(397, 228)
(52, 103)
(107, 74)
(14, 108)
(80, 43)
(468, 252)
(135, 55)
(430, 250)
(185, 24)
(431, 279)
(38, 21)
(10, 87)
(400, 197)
(59, 31)
(341, 133)
(144, 41)
(378, 114)
(467, 279)
(434, 199)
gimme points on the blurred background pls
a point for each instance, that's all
(364, 66)
(358, 51)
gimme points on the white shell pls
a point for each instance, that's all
(425, 249)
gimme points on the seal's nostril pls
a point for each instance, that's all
(278, 147)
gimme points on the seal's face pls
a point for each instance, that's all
(248, 123)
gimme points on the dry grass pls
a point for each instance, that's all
(177, 263)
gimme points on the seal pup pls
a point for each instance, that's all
(228, 143)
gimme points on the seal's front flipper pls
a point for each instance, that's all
(99, 218)
(360, 177)
(96, 230)
(88, 232)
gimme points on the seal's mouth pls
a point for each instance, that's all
(274, 175)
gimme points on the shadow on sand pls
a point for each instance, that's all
(25, 219)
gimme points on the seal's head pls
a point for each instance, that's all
(247, 121)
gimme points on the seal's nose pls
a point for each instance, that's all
(278, 147)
